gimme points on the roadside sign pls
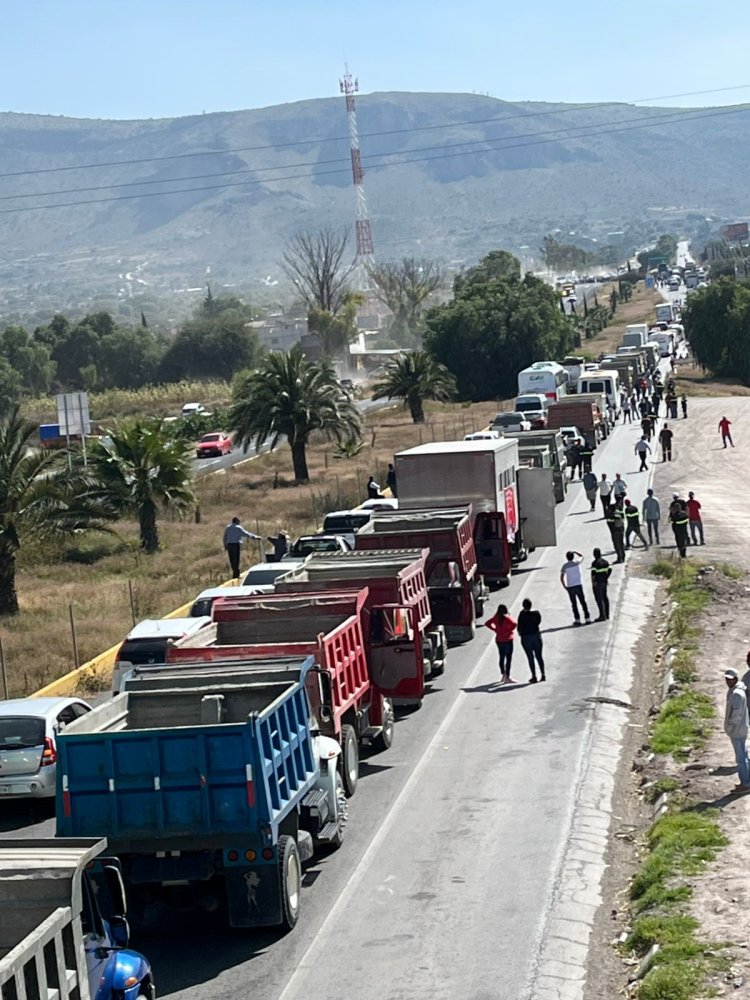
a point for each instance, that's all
(73, 413)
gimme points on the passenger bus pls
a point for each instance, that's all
(545, 377)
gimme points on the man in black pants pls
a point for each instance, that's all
(570, 578)
(600, 574)
(665, 440)
(531, 639)
(234, 536)
(616, 524)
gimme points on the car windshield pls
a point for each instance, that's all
(259, 577)
(345, 522)
(19, 732)
(304, 546)
(138, 651)
(211, 437)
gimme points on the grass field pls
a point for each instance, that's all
(92, 576)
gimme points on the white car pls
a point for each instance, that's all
(189, 409)
(306, 545)
(261, 576)
(379, 503)
(510, 421)
(205, 600)
(28, 756)
(147, 643)
(483, 436)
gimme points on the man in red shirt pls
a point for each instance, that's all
(726, 435)
(694, 517)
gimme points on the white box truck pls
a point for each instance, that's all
(636, 335)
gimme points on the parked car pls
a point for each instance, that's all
(28, 756)
(217, 443)
(305, 545)
(189, 409)
(380, 503)
(263, 575)
(205, 600)
(537, 419)
(570, 434)
(483, 436)
(147, 643)
(511, 421)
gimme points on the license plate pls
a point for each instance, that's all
(14, 789)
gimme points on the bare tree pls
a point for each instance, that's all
(313, 262)
(403, 286)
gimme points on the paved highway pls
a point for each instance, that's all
(451, 860)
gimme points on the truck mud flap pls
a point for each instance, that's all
(254, 895)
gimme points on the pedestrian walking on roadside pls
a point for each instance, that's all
(234, 536)
(665, 440)
(683, 404)
(529, 622)
(504, 628)
(642, 450)
(600, 574)
(280, 544)
(575, 460)
(678, 518)
(605, 493)
(656, 400)
(373, 490)
(726, 434)
(695, 520)
(626, 414)
(570, 578)
(651, 511)
(644, 408)
(590, 486)
(619, 488)
(616, 525)
(736, 726)
(633, 523)
(647, 427)
(390, 480)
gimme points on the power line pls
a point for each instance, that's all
(487, 145)
(323, 139)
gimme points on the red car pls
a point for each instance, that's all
(217, 443)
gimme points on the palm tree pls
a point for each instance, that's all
(139, 466)
(39, 497)
(415, 377)
(288, 396)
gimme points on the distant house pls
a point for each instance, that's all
(279, 331)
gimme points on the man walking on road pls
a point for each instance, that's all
(600, 574)
(619, 488)
(678, 517)
(626, 415)
(652, 515)
(647, 426)
(616, 524)
(726, 434)
(665, 440)
(234, 536)
(570, 578)
(642, 449)
(531, 639)
(736, 725)
(587, 455)
(605, 493)
(575, 460)
(590, 488)
(694, 519)
(633, 523)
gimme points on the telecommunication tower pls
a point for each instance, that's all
(349, 86)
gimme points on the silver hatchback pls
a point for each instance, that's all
(28, 755)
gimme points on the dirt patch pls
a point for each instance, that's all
(640, 309)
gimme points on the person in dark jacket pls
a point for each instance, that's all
(616, 525)
(531, 639)
(678, 517)
(280, 544)
(600, 574)
(390, 480)
(633, 523)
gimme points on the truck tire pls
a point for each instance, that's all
(342, 814)
(349, 759)
(290, 876)
(384, 739)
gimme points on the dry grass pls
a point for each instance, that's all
(92, 574)
(640, 309)
(693, 381)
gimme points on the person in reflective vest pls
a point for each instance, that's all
(586, 453)
(678, 517)
(600, 574)
(616, 524)
(633, 524)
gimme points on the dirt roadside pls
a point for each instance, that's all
(721, 893)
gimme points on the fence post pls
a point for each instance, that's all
(3, 671)
(132, 601)
(73, 633)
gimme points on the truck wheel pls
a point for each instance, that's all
(384, 739)
(349, 759)
(342, 811)
(438, 668)
(290, 874)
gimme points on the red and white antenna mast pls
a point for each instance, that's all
(349, 86)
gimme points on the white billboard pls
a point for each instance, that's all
(73, 414)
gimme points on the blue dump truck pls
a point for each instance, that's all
(211, 783)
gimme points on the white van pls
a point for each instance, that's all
(545, 377)
(605, 381)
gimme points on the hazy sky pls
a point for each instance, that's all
(164, 58)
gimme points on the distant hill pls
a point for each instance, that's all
(503, 175)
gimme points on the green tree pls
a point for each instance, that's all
(39, 498)
(717, 324)
(217, 343)
(335, 332)
(288, 396)
(29, 359)
(404, 286)
(413, 378)
(496, 324)
(139, 467)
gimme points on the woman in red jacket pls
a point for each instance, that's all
(504, 628)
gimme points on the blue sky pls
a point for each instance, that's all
(165, 58)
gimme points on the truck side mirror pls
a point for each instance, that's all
(326, 695)
(120, 930)
(116, 889)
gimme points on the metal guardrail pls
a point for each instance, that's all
(47, 964)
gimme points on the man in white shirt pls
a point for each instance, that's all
(605, 493)
(570, 578)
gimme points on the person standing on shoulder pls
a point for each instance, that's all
(616, 524)
(504, 628)
(600, 574)
(626, 415)
(373, 490)
(633, 523)
(736, 725)
(694, 519)
(234, 536)
(642, 449)
(726, 434)
(590, 487)
(390, 480)
(651, 511)
(683, 405)
(575, 460)
(605, 493)
(570, 578)
(587, 455)
(531, 639)
(665, 440)
(678, 517)
(619, 488)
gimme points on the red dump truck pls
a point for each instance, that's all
(457, 591)
(581, 413)
(393, 578)
(327, 626)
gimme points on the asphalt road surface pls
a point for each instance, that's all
(452, 851)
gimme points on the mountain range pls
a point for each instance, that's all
(98, 207)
